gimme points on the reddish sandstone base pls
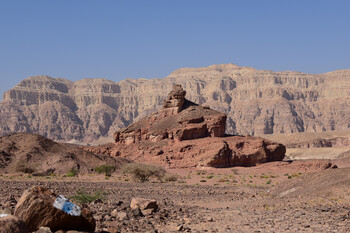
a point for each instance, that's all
(211, 151)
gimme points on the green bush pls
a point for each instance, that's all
(83, 197)
(106, 169)
(142, 172)
(72, 172)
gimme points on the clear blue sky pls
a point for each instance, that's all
(113, 39)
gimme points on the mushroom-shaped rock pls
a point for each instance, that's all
(40, 207)
(180, 119)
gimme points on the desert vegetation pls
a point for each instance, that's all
(143, 172)
(105, 169)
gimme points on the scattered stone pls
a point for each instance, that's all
(122, 216)
(114, 213)
(39, 207)
(137, 212)
(147, 212)
(144, 204)
(179, 228)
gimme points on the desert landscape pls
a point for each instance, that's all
(177, 169)
(174, 116)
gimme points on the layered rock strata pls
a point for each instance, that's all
(256, 102)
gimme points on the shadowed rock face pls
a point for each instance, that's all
(255, 102)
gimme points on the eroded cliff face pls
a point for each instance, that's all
(255, 101)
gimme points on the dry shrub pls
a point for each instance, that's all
(142, 172)
(170, 177)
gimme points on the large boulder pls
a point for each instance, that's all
(40, 207)
(10, 223)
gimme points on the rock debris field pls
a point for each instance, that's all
(313, 202)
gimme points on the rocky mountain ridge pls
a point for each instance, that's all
(256, 102)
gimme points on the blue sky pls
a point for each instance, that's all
(113, 39)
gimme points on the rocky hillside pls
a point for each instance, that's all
(255, 101)
(32, 153)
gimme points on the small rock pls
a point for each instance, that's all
(107, 217)
(114, 213)
(147, 212)
(137, 212)
(144, 204)
(122, 216)
(43, 230)
(179, 228)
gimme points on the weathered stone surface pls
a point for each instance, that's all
(255, 101)
(144, 204)
(176, 98)
(12, 224)
(183, 121)
(193, 136)
(36, 209)
(204, 152)
(122, 216)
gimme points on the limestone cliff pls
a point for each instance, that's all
(255, 101)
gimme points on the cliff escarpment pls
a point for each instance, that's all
(256, 102)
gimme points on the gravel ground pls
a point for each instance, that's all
(193, 208)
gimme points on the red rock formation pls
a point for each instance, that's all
(183, 134)
(226, 151)
(180, 119)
